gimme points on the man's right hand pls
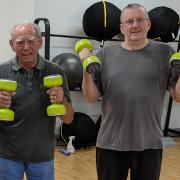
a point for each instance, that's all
(5, 98)
(85, 53)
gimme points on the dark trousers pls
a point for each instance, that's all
(115, 165)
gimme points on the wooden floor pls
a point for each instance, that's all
(81, 164)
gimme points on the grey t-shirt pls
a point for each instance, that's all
(133, 84)
(30, 137)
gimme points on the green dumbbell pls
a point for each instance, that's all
(7, 114)
(175, 62)
(92, 64)
(50, 82)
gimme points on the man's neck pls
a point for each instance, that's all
(136, 45)
(27, 66)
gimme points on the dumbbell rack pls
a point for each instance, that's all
(46, 34)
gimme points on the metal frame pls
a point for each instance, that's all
(46, 35)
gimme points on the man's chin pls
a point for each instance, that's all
(28, 62)
(27, 58)
(136, 37)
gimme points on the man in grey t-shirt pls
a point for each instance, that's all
(132, 85)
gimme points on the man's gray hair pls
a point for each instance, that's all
(135, 5)
(35, 26)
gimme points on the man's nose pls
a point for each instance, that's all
(26, 45)
(135, 22)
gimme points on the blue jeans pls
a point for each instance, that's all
(14, 170)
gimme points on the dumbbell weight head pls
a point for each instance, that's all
(92, 65)
(81, 44)
(53, 81)
(175, 62)
(8, 85)
(56, 109)
(7, 114)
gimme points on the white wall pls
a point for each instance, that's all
(12, 12)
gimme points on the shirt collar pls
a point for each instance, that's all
(40, 64)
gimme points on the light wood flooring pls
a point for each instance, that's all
(81, 164)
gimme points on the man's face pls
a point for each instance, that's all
(26, 45)
(134, 24)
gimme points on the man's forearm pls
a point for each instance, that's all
(175, 92)
(68, 117)
(89, 88)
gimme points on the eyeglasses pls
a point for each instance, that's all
(130, 22)
(21, 41)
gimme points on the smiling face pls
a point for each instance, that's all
(135, 24)
(26, 43)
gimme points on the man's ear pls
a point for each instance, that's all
(40, 41)
(11, 44)
(149, 25)
(121, 28)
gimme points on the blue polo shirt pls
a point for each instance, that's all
(30, 137)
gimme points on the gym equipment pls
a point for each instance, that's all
(175, 62)
(72, 67)
(7, 114)
(50, 82)
(83, 128)
(92, 64)
(164, 24)
(101, 20)
(174, 68)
